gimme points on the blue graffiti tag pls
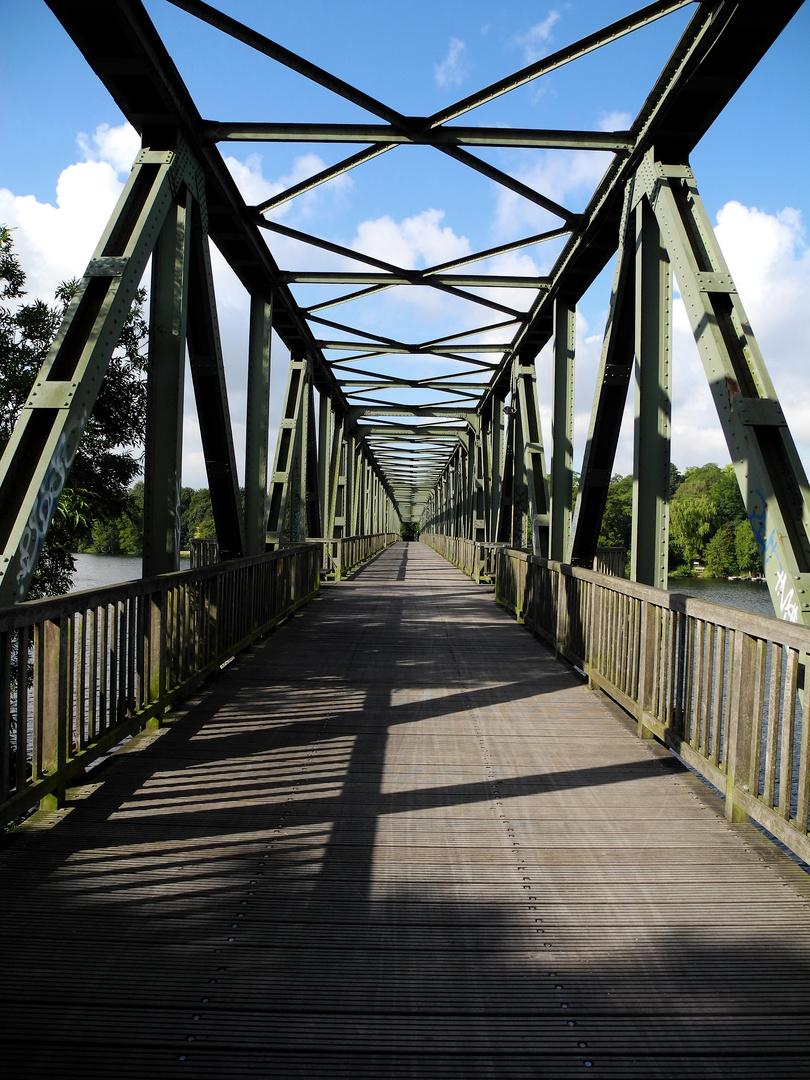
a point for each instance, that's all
(766, 545)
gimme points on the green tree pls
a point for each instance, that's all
(199, 517)
(721, 552)
(749, 560)
(130, 524)
(97, 490)
(692, 520)
(617, 520)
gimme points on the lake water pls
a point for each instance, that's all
(93, 571)
(746, 595)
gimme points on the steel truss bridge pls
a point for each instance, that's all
(361, 445)
(398, 838)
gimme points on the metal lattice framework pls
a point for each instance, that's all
(361, 443)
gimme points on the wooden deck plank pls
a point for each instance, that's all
(400, 840)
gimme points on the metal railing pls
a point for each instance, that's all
(721, 687)
(79, 673)
(342, 556)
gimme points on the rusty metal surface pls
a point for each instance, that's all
(400, 840)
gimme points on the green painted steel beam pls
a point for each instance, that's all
(484, 281)
(257, 423)
(419, 134)
(38, 457)
(589, 44)
(562, 429)
(649, 546)
(610, 394)
(168, 308)
(770, 474)
(210, 393)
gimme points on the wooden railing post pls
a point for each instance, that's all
(561, 609)
(156, 653)
(647, 652)
(740, 724)
(54, 707)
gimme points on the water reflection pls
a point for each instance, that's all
(745, 595)
(93, 571)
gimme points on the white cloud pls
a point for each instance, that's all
(452, 70)
(255, 188)
(557, 174)
(118, 146)
(412, 243)
(56, 242)
(615, 121)
(536, 39)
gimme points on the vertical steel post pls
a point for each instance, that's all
(562, 428)
(651, 446)
(531, 455)
(326, 422)
(495, 449)
(257, 423)
(164, 408)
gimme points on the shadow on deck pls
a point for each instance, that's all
(400, 840)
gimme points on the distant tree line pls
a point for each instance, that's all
(708, 525)
(123, 535)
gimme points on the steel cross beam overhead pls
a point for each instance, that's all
(419, 401)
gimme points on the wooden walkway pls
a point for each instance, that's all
(400, 840)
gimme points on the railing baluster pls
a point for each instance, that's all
(718, 696)
(803, 795)
(772, 737)
(787, 732)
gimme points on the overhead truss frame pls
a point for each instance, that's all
(473, 428)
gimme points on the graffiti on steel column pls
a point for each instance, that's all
(47, 498)
(766, 544)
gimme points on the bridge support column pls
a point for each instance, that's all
(258, 424)
(562, 429)
(494, 441)
(164, 416)
(649, 545)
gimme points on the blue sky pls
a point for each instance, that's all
(66, 154)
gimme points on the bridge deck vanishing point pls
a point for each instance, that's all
(399, 839)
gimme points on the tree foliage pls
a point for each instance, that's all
(707, 517)
(617, 520)
(98, 489)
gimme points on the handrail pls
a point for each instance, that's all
(342, 555)
(81, 672)
(474, 557)
(719, 686)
